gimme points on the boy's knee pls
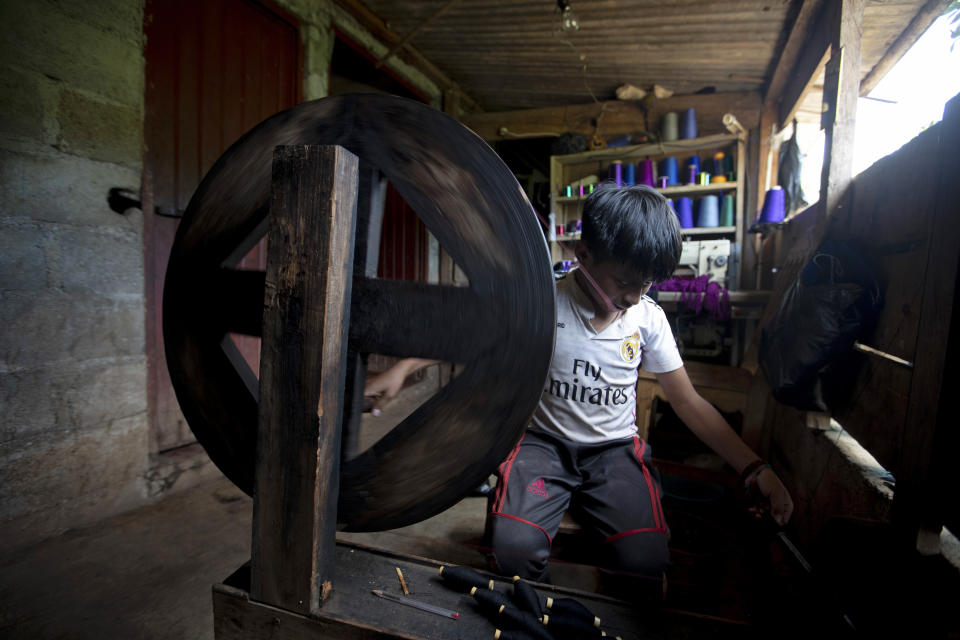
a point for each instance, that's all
(518, 548)
(644, 555)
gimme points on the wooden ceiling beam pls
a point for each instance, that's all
(615, 117)
(802, 27)
(379, 30)
(920, 23)
(806, 68)
(410, 34)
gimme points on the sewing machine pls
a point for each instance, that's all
(698, 334)
(706, 256)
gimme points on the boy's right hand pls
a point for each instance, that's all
(384, 387)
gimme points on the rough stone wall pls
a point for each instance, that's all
(74, 434)
(73, 426)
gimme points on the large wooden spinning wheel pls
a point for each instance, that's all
(500, 327)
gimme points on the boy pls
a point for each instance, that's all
(581, 450)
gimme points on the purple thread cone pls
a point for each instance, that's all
(685, 212)
(693, 169)
(668, 169)
(629, 174)
(615, 173)
(688, 124)
(709, 212)
(646, 173)
(773, 206)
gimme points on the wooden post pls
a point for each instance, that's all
(306, 309)
(371, 195)
(840, 93)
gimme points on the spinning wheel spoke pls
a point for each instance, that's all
(235, 301)
(413, 319)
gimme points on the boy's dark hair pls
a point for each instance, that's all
(634, 226)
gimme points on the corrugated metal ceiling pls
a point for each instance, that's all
(511, 54)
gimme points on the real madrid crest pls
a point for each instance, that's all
(630, 348)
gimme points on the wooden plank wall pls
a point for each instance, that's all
(902, 214)
(891, 214)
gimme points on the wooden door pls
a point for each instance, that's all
(214, 69)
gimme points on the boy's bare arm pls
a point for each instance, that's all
(384, 387)
(708, 425)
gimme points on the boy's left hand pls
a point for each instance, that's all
(773, 492)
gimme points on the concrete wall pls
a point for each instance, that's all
(73, 427)
(74, 434)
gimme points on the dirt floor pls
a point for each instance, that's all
(148, 574)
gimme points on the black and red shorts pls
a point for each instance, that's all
(609, 489)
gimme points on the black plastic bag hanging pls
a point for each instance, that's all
(833, 301)
(789, 166)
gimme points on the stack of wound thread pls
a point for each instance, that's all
(511, 622)
(511, 634)
(567, 619)
(464, 578)
(526, 597)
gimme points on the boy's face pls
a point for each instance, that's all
(622, 284)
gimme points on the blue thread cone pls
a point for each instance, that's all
(685, 212)
(668, 168)
(688, 124)
(709, 214)
(615, 173)
(629, 174)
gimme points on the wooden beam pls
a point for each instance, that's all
(841, 91)
(920, 23)
(451, 103)
(802, 27)
(410, 34)
(304, 352)
(806, 67)
(616, 117)
(379, 30)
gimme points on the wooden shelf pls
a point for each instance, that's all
(737, 297)
(698, 188)
(576, 167)
(642, 151)
(693, 231)
(680, 190)
(705, 231)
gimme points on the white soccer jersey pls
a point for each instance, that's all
(590, 392)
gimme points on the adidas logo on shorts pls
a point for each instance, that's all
(538, 487)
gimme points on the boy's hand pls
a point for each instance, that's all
(773, 492)
(384, 387)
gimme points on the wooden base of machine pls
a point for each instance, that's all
(352, 612)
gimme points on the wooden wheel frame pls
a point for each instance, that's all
(500, 327)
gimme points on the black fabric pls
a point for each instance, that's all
(789, 173)
(835, 299)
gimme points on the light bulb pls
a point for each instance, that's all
(568, 20)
